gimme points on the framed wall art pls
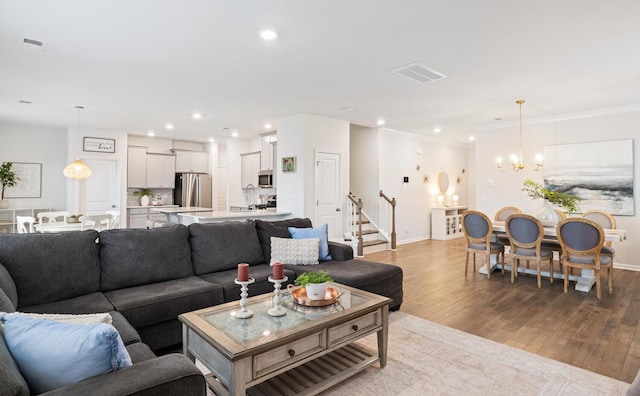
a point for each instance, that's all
(288, 164)
(100, 145)
(29, 181)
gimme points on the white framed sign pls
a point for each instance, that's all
(100, 145)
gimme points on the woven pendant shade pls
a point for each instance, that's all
(77, 170)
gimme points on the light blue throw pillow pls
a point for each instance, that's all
(51, 355)
(322, 233)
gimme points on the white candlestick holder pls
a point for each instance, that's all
(277, 310)
(243, 312)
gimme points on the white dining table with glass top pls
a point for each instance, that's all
(585, 280)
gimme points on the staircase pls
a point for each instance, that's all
(366, 236)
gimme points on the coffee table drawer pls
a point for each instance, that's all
(288, 354)
(352, 329)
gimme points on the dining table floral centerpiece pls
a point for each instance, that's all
(547, 216)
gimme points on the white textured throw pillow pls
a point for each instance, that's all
(294, 251)
(70, 318)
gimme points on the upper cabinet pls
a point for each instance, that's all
(250, 166)
(192, 161)
(266, 160)
(137, 167)
(160, 171)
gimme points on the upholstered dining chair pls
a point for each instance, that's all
(501, 215)
(561, 215)
(98, 222)
(477, 229)
(582, 241)
(605, 220)
(25, 224)
(525, 234)
(52, 217)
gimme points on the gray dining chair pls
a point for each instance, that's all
(605, 220)
(582, 241)
(525, 234)
(477, 229)
(502, 215)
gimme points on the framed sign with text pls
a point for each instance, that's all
(100, 145)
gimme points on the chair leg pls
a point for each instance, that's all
(566, 278)
(489, 265)
(466, 264)
(598, 286)
(502, 261)
(611, 280)
(551, 270)
(474, 262)
(538, 271)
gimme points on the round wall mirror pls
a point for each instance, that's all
(443, 182)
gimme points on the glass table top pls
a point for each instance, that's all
(262, 325)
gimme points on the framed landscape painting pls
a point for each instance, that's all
(600, 174)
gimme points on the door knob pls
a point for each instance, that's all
(337, 209)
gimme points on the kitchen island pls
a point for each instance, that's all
(172, 212)
(220, 216)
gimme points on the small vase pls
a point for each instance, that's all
(144, 201)
(316, 291)
(547, 216)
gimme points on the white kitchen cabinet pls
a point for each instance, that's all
(192, 161)
(250, 167)
(160, 171)
(266, 158)
(138, 218)
(446, 223)
(136, 167)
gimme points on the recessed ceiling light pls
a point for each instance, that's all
(381, 122)
(268, 34)
(151, 133)
(349, 109)
(234, 134)
(197, 116)
(472, 138)
(212, 140)
(436, 130)
(169, 126)
(267, 126)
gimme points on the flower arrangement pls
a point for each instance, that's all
(565, 200)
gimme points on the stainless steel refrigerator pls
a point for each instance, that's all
(192, 189)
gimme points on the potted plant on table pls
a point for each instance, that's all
(547, 215)
(315, 283)
(8, 179)
(145, 196)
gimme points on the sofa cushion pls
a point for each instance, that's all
(88, 303)
(11, 380)
(157, 302)
(5, 303)
(260, 273)
(8, 286)
(268, 229)
(221, 246)
(294, 251)
(51, 267)
(132, 257)
(322, 233)
(79, 352)
(140, 352)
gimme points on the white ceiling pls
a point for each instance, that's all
(138, 64)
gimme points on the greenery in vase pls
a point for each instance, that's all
(313, 277)
(142, 192)
(565, 200)
(8, 177)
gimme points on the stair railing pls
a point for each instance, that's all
(384, 208)
(356, 221)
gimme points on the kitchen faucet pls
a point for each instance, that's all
(252, 203)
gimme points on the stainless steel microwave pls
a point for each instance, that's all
(265, 179)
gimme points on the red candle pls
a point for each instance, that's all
(278, 270)
(243, 272)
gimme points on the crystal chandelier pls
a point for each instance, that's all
(517, 164)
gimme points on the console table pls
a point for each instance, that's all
(446, 222)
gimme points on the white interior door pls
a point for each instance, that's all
(99, 193)
(328, 194)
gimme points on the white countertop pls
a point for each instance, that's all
(176, 209)
(204, 217)
(151, 206)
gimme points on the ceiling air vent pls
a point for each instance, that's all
(31, 43)
(419, 73)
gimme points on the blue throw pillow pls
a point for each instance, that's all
(51, 355)
(322, 233)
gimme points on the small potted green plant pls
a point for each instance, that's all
(8, 179)
(315, 282)
(74, 218)
(145, 195)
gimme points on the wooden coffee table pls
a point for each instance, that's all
(303, 352)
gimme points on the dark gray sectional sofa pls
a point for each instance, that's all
(146, 278)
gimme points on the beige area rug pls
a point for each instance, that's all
(425, 358)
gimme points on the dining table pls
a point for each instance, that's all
(58, 226)
(584, 281)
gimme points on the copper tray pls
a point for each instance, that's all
(299, 296)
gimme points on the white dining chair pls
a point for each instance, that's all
(98, 222)
(115, 218)
(25, 224)
(52, 217)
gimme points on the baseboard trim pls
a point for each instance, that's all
(628, 267)
(405, 241)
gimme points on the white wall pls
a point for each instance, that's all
(235, 147)
(400, 155)
(44, 145)
(507, 186)
(365, 168)
(291, 184)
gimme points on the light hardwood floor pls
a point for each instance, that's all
(574, 328)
